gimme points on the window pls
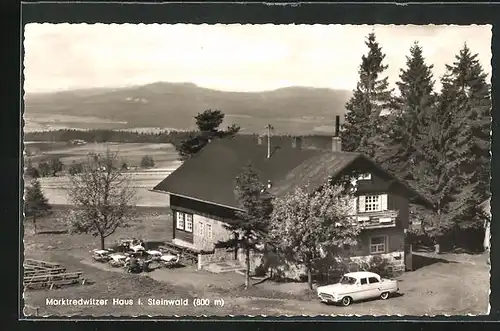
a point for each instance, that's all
(372, 203)
(184, 221)
(345, 280)
(208, 231)
(180, 220)
(377, 244)
(373, 280)
(365, 177)
(189, 222)
(364, 281)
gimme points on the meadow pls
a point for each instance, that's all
(143, 180)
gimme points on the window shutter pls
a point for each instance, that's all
(361, 207)
(383, 202)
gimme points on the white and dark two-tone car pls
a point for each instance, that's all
(356, 286)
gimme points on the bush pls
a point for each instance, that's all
(32, 172)
(147, 162)
(44, 169)
(75, 168)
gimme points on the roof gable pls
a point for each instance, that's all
(210, 175)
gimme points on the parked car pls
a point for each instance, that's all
(356, 286)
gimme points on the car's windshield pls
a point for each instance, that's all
(347, 280)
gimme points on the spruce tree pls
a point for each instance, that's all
(371, 96)
(35, 203)
(437, 173)
(473, 135)
(250, 226)
(411, 117)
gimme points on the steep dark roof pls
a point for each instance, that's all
(210, 174)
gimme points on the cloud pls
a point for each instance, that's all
(229, 57)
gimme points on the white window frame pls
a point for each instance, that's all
(182, 220)
(188, 220)
(208, 229)
(378, 248)
(179, 220)
(374, 202)
(366, 176)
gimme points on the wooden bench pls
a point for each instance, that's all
(50, 281)
(189, 254)
(39, 263)
(37, 272)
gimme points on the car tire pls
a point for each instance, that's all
(346, 301)
(384, 295)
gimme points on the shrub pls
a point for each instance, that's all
(32, 172)
(75, 168)
(147, 162)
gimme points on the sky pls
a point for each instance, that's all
(234, 57)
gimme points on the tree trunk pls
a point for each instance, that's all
(236, 246)
(247, 268)
(102, 241)
(34, 224)
(309, 273)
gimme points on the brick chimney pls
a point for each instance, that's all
(297, 142)
(336, 143)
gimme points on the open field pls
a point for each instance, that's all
(164, 155)
(455, 284)
(55, 188)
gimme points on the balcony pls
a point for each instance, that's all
(377, 219)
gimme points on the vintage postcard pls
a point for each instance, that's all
(247, 170)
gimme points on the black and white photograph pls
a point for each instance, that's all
(256, 170)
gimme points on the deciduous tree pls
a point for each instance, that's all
(307, 223)
(103, 197)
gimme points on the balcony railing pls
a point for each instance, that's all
(377, 219)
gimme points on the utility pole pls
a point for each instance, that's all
(269, 128)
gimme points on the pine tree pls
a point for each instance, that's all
(35, 203)
(208, 124)
(411, 118)
(371, 96)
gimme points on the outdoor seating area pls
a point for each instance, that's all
(47, 275)
(132, 255)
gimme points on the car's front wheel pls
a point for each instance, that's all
(346, 301)
(384, 295)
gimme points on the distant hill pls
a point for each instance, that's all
(173, 105)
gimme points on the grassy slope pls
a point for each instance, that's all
(294, 109)
(442, 287)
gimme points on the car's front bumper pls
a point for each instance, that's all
(329, 298)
